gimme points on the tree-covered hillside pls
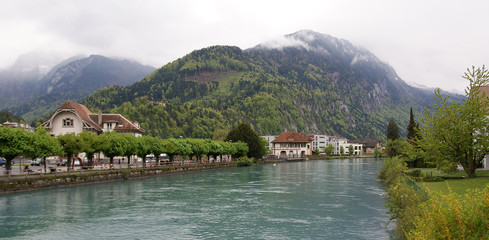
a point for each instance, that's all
(312, 89)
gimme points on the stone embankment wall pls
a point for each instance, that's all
(37, 182)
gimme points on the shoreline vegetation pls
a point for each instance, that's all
(422, 211)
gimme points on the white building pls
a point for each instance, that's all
(269, 139)
(322, 141)
(72, 117)
(292, 145)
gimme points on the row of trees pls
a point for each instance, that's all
(451, 132)
(16, 142)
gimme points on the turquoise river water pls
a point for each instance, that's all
(333, 199)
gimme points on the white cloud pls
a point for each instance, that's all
(427, 42)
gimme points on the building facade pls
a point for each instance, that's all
(292, 145)
(72, 117)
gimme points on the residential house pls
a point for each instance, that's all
(72, 117)
(292, 144)
(369, 146)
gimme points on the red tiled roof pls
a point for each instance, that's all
(292, 137)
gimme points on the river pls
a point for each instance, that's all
(331, 199)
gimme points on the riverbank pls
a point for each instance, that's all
(32, 182)
(423, 214)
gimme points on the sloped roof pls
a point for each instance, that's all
(82, 111)
(367, 143)
(91, 119)
(292, 137)
(121, 123)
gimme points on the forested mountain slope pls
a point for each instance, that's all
(314, 83)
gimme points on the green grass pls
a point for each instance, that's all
(459, 186)
(434, 172)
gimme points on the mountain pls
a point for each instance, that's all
(306, 81)
(76, 78)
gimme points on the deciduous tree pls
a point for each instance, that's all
(458, 132)
(71, 144)
(14, 142)
(256, 144)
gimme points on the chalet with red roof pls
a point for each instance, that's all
(292, 144)
(72, 117)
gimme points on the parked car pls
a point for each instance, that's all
(76, 162)
(3, 162)
(63, 162)
(37, 162)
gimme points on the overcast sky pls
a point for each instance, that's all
(429, 43)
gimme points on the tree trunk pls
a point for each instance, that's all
(111, 160)
(8, 164)
(68, 161)
(44, 164)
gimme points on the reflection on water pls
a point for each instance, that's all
(335, 199)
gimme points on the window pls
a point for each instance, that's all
(67, 122)
(109, 126)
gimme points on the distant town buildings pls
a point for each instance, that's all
(24, 126)
(296, 144)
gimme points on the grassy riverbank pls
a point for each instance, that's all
(429, 212)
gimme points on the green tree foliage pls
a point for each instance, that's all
(199, 147)
(72, 144)
(93, 144)
(457, 132)
(342, 150)
(316, 151)
(176, 147)
(7, 116)
(329, 149)
(241, 149)
(350, 150)
(396, 147)
(14, 142)
(145, 146)
(392, 130)
(44, 145)
(115, 145)
(215, 149)
(412, 128)
(130, 147)
(256, 144)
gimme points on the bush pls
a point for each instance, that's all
(245, 161)
(414, 172)
(429, 178)
(453, 217)
(403, 198)
(447, 167)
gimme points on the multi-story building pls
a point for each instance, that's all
(322, 141)
(292, 144)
